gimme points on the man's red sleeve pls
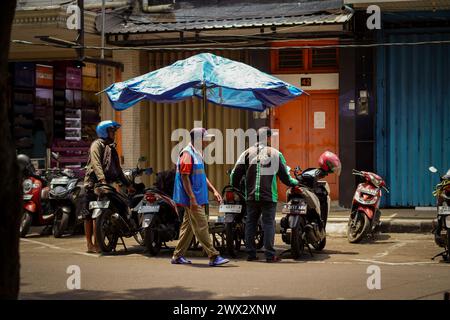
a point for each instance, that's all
(186, 163)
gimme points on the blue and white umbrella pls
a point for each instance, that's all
(207, 76)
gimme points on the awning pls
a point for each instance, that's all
(229, 16)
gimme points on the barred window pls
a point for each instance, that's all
(290, 58)
(324, 58)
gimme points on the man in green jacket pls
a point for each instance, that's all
(260, 165)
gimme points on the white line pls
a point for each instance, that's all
(396, 263)
(59, 248)
(385, 253)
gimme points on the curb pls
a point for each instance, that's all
(338, 225)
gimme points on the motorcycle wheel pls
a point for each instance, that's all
(447, 256)
(106, 238)
(297, 243)
(232, 239)
(152, 240)
(321, 244)
(358, 227)
(60, 224)
(25, 224)
(140, 238)
(259, 239)
(194, 244)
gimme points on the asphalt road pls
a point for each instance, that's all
(338, 272)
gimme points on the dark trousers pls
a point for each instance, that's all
(254, 210)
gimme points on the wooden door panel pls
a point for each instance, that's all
(323, 134)
(302, 138)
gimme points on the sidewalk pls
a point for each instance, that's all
(392, 220)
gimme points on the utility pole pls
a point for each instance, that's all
(80, 39)
(103, 30)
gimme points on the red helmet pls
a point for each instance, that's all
(329, 162)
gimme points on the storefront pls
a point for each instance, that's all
(54, 107)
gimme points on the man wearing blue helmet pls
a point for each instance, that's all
(103, 167)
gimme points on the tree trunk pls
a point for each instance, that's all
(10, 193)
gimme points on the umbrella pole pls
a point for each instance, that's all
(205, 125)
(204, 105)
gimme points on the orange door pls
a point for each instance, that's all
(308, 127)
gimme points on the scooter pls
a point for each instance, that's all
(365, 213)
(234, 209)
(306, 212)
(113, 215)
(65, 201)
(442, 230)
(161, 220)
(35, 207)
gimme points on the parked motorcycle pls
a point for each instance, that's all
(161, 219)
(65, 201)
(113, 214)
(306, 212)
(35, 206)
(442, 230)
(365, 213)
(234, 209)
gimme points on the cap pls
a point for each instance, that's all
(200, 132)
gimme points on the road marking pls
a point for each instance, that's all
(59, 248)
(385, 253)
(395, 263)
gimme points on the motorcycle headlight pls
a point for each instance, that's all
(367, 199)
(27, 185)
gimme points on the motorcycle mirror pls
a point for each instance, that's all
(142, 159)
(432, 169)
(148, 171)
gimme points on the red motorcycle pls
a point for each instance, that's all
(35, 196)
(365, 214)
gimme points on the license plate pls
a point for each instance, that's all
(233, 208)
(98, 205)
(444, 211)
(294, 209)
(60, 181)
(149, 209)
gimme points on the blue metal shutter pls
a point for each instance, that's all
(413, 117)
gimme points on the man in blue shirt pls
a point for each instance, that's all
(191, 191)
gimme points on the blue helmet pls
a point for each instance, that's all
(102, 128)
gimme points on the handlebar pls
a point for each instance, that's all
(357, 173)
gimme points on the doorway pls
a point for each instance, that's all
(308, 126)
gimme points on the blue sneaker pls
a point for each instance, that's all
(180, 260)
(218, 261)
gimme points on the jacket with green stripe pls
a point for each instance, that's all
(260, 165)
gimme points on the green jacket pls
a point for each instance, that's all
(260, 165)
